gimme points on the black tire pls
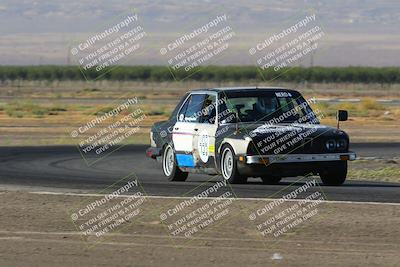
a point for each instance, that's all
(172, 172)
(334, 174)
(228, 166)
(270, 179)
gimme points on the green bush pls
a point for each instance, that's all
(207, 73)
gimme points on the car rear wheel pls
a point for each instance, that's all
(229, 166)
(170, 168)
(334, 174)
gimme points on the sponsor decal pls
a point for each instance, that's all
(211, 149)
(283, 94)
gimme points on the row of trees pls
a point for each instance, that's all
(208, 73)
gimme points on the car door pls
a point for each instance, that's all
(184, 129)
(204, 134)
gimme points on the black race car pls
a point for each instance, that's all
(249, 132)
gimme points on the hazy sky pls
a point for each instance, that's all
(357, 32)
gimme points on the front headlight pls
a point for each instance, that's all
(341, 144)
(330, 144)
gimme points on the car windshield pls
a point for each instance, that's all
(269, 106)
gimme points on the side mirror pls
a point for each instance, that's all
(342, 115)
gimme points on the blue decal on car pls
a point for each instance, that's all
(185, 160)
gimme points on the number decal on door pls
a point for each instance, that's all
(203, 144)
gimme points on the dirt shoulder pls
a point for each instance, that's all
(37, 229)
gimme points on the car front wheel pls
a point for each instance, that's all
(229, 166)
(334, 174)
(170, 168)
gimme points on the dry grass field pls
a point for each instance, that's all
(42, 113)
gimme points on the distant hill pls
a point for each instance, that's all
(359, 32)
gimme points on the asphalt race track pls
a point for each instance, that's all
(62, 168)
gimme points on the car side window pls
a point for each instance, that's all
(181, 115)
(208, 112)
(177, 109)
(191, 110)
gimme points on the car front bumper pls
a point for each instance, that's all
(297, 158)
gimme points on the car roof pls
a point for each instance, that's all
(239, 89)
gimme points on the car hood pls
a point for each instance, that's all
(312, 130)
(291, 138)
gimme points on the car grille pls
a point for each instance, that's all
(305, 146)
